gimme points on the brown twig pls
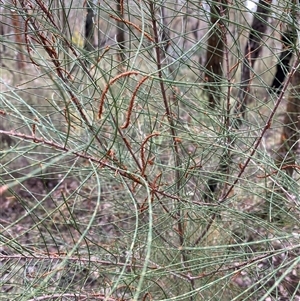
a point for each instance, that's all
(124, 74)
(102, 163)
(144, 163)
(295, 166)
(147, 35)
(126, 124)
(74, 295)
(100, 57)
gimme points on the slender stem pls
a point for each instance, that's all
(171, 123)
(266, 127)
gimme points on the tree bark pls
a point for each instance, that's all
(89, 27)
(291, 126)
(252, 51)
(215, 55)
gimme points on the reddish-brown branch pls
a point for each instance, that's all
(147, 35)
(100, 57)
(127, 73)
(144, 164)
(126, 124)
(102, 163)
(79, 296)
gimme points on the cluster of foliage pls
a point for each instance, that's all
(149, 150)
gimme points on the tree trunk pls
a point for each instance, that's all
(288, 40)
(120, 37)
(215, 55)
(252, 51)
(19, 38)
(89, 27)
(291, 127)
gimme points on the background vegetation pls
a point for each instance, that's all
(149, 150)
